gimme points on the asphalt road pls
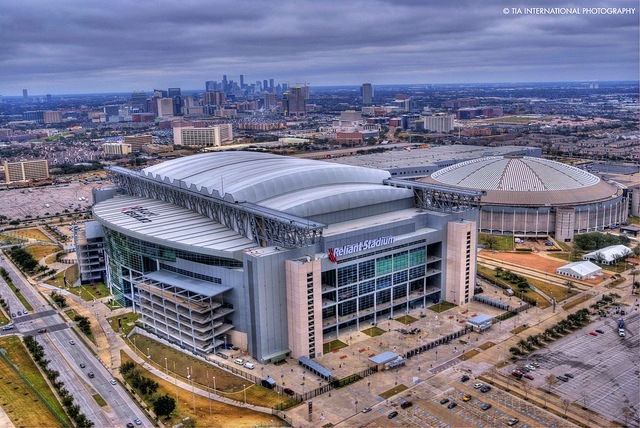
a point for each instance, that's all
(66, 358)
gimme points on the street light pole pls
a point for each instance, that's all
(244, 389)
(209, 392)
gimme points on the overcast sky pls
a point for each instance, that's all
(69, 46)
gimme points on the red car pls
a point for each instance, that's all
(593, 333)
(516, 374)
(528, 376)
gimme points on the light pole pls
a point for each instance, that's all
(166, 369)
(209, 392)
(214, 385)
(244, 389)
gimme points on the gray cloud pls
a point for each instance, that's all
(95, 46)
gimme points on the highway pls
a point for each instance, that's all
(54, 334)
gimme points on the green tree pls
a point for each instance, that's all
(164, 405)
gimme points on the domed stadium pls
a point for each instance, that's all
(530, 196)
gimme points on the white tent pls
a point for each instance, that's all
(580, 270)
(608, 255)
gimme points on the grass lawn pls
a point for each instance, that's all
(551, 290)
(40, 251)
(564, 246)
(90, 291)
(469, 354)
(393, 391)
(128, 321)
(562, 256)
(99, 400)
(486, 345)
(209, 413)
(491, 274)
(373, 331)
(406, 319)
(441, 307)
(23, 406)
(633, 220)
(333, 346)
(577, 301)
(9, 240)
(496, 242)
(31, 234)
(519, 329)
(71, 273)
(227, 384)
(3, 320)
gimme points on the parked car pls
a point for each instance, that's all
(288, 391)
(528, 376)
(485, 406)
(248, 366)
(536, 365)
(406, 405)
(569, 375)
(444, 401)
(593, 333)
(452, 405)
(600, 331)
(516, 374)
(239, 361)
(485, 388)
(563, 378)
(512, 421)
(466, 397)
(42, 330)
(464, 378)
(366, 410)
(392, 415)
(13, 315)
(130, 425)
(221, 355)
(478, 386)
(19, 313)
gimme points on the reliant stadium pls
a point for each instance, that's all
(277, 254)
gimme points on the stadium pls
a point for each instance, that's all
(529, 196)
(278, 255)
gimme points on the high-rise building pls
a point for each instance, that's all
(139, 101)
(265, 85)
(203, 137)
(34, 115)
(137, 141)
(48, 98)
(211, 85)
(225, 83)
(367, 94)
(25, 96)
(165, 107)
(173, 92)
(295, 101)
(271, 87)
(89, 243)
(26, 170)
(52, 117)
(439, 122)
(118, 149)
(241, 81)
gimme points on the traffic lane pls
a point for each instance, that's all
(73, 380)
(25, 288)
(115, 396)
(36, 331)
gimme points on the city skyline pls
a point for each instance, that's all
(110, 47)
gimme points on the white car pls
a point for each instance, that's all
(113, 382)
(478, 386)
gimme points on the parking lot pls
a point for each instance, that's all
(428, 409)
(604, 368)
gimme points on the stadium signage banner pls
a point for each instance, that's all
(334, 253)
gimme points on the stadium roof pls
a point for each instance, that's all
(515, 173)
(155, 221)
(294, 186)
(516, 180)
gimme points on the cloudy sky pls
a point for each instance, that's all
(69, 46)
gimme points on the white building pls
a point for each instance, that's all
(165, 107)
(203, 137)
(580, 270)
(608, 255)
(439, 122)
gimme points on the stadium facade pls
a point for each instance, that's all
(530, 196)
(278, 255)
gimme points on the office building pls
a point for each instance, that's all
(439, 122)
(210, 85)
(367, 94)
(139, 101)
(34, 115)
(165, 107)
(52, 117)
(294, 102)
(25, 96)
(203, 137)
(26, 170)
(116, 149)
(279, 255)
(137, 141)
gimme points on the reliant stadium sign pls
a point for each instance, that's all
(334, 253)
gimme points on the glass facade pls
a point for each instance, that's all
(378, 284)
